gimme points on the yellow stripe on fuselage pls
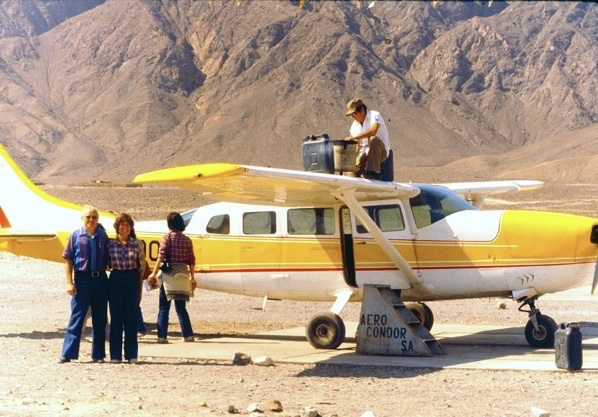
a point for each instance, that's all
(524, 239)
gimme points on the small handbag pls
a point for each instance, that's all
(165, 264)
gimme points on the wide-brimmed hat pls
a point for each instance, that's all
(353, 105)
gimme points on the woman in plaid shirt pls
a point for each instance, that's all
(126, 261)
(178, 249)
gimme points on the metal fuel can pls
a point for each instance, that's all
(567, 347)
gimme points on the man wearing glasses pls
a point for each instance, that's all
(369, 130)
(87, 284)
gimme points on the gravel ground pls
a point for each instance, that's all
(36, 308)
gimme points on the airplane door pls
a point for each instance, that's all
(365, 258)
(347, 247)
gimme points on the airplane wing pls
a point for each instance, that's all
(258, 185)
(476, 192)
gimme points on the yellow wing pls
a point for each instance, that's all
(272, 186)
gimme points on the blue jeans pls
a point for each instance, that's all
(123, 297)
(91, 292)
(181, 311)
(140, 323)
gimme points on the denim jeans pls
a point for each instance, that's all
(91, 292)
(181, 311)
(123, 297)
(140, 323)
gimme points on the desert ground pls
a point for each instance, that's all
(35, 310)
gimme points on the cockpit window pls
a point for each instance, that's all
(219, 225)
(389, 218)
(187, 216)
(434, 203)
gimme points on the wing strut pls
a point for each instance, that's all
(413, 281)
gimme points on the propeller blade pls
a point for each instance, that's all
(595, 280)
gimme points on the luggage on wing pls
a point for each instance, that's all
(321, 154)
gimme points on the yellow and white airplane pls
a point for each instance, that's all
(295, 235)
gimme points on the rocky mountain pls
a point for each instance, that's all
(95, 89)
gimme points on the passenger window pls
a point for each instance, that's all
(259, 223)
(219, 225)
(311, 221)
(388, 218)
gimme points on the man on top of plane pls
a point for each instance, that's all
(369, 130)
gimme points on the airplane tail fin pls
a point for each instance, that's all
(24, 206)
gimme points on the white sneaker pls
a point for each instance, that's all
(189, 339)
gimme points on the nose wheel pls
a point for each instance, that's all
(540, 329)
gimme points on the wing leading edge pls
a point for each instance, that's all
(272, 186)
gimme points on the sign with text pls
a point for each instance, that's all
(385, 326)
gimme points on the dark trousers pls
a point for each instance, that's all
(123, 301)
(140, 323)
(373, 159)
(91, 292)
(181, 311)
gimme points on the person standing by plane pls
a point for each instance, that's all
(177, 249)
(87, 283)
(127, 262)
(369, 130)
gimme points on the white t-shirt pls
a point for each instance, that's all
(372, 117)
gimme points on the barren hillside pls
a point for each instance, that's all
(107, 89)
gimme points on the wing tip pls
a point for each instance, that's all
(189, 172)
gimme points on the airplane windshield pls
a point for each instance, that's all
(434, 203)
(187, 216)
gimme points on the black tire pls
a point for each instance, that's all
(423, 313)
(429, 322)
(544, 337)
(325, 331)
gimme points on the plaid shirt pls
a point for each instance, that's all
(176, 248)
(127, 256)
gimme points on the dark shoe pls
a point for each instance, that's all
(162, 340)
(63, 360)
(372, 175)
(98, 360)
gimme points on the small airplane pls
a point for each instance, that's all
(306, 236)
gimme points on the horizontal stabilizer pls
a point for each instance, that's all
(23, 235)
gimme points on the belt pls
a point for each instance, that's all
(93, 274)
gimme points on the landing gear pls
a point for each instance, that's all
(540, 329)
(423, 313)
(325, 331)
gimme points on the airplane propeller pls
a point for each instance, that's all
(595, 280)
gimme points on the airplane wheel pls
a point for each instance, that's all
(544, 337)
(429, 322)
(423, 313)
(325, 331)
